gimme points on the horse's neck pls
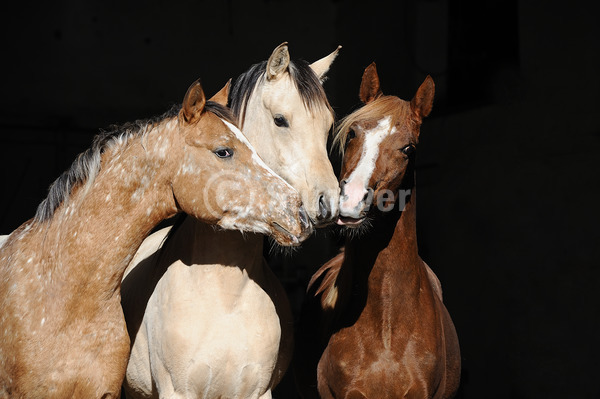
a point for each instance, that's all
(396, 228)
(390, 248)
(94, 234)
(212, 246)
(404, 237)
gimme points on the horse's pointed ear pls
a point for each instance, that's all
(278, 62)
(193, 103)
(369, 86)
(422, 102)
(223, 95)
(320, 67)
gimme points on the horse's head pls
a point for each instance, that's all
(379, 143)
(283, 110)
(219, 178)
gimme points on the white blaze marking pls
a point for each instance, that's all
(240, 136)
(357, 182)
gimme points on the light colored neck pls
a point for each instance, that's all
(93, 236)
(213, 246)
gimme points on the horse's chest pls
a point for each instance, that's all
(223, 325)
(244, 326)
(392, 356)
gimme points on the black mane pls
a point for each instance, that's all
(306, 81)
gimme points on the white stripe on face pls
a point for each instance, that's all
(355, 188)
(240, 136)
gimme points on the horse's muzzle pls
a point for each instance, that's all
(356, 202)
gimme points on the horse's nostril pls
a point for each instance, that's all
(303, 217)
(368, 198)
(342, 190)
(324, 209)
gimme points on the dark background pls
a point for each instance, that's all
(508, 160)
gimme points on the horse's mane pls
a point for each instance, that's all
(87, 164)
(384, 105)
(306, 81)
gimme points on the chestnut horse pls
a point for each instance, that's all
(62, 331)
(206, 315)
(374, 324)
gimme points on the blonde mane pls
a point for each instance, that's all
(376, 109)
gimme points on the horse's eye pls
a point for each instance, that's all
(351, 134)
(280, 121)
(409, 150)
(224, 152)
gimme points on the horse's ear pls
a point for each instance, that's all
(193, 103)
(320, 67)
(369, 86)
(222, 96)
(278, 62)
(422, 102)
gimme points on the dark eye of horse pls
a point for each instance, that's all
(408, 150)
(281, 121)
(224, 152)
(350, 136)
